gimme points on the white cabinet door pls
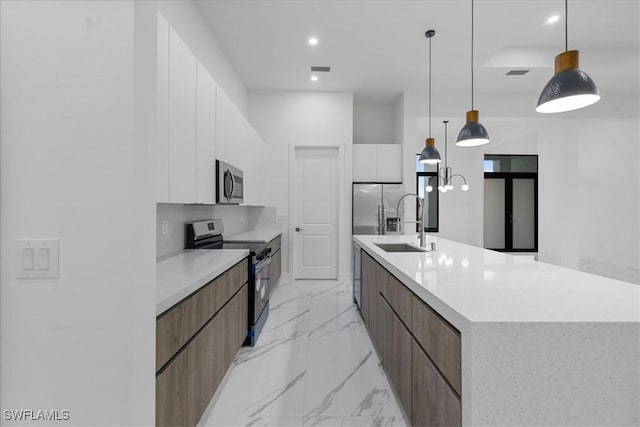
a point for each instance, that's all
(182, 121)
(162, 112)
(364, 162)
(224, 125)
(389, 162)
(260, 166)
(205, 137)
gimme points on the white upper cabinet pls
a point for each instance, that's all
(162, 112)
(389, 162)
(205, 137)
(196, 124)
(182, 121)
(186, 120)
(377, 163)
(364, 163)
(224, 125)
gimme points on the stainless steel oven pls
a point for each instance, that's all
(207, 234)
(230, 185)
(259, 285)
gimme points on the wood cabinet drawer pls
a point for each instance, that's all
(172, 332)
(400, 298)
(440, 340)
(177, 325)
(171, 393)
(397, 354)
(434, 402)
(275, 244)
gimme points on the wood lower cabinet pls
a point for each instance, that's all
(434, 401)
(275, 267)
(419, 350)
(211, 352)
(202, 377)
(178, 324)
(188, 381)
(171, 393)
(440, 340)
(397, 355)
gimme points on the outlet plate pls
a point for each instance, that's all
(165, 227)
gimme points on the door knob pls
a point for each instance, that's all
(299, 229)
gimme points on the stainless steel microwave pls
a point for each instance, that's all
(230, 185)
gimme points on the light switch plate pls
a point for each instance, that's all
(37, 258)
(165, 227)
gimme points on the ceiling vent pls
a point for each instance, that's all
(322, 69)
(517, 72)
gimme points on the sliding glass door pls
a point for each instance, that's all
(511, 204)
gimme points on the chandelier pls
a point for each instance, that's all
(445, 174)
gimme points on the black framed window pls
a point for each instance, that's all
(428, 175)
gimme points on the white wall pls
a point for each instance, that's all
(77, 111)
(581, 225)
(592, 223)
(285, 117)
(188, 20)
(373, 124)
(236, 220)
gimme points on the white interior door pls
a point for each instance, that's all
(315, 213)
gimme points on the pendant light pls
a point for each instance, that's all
(570, 88)
(430, 154)
(472, 133)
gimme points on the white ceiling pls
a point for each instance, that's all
(378, 50)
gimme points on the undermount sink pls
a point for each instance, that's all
(399, 247)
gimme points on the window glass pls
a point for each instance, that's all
(510, 163)
(428, 175)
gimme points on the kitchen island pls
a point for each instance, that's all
(507, 340)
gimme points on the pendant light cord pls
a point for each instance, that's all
(445, 144)
(429, 87)
(566, 25)
(472, 54)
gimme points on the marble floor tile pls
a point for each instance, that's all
(344, 378)
(313, 365)
(353, 422)
(266, 380)
(256, 422)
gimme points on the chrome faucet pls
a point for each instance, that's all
(419, 221)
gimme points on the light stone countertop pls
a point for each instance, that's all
(257, 235)
(179, 275)
(540, 344)
(471, 284)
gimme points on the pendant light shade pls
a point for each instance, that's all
(570, 88)
(430, 154)
(472, 133)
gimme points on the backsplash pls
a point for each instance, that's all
(236, 220)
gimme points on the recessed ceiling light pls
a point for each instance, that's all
(314, 78)
(553, 19)
(313, 41)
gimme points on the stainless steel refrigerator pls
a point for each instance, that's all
(374, 206)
